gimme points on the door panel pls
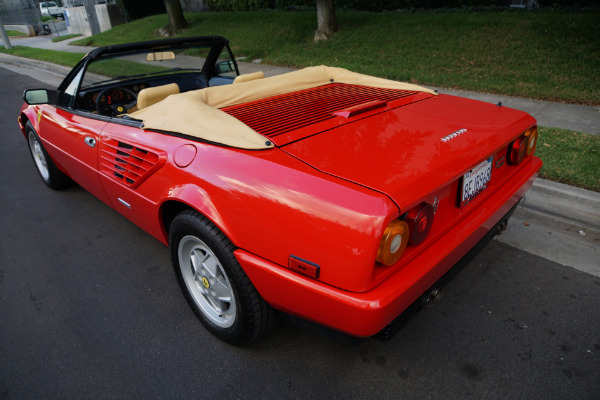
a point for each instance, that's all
(72, 142)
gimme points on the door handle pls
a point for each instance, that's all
(90, 141)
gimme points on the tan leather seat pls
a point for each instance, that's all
(153, 95)
(249, 77)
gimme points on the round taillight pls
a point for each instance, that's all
(518, 150)
(419, 221)
(393, 243)
(532, 137)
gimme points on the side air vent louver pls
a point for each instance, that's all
(128, 164)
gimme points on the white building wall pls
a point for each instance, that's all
(78, 21)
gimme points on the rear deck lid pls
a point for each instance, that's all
(402, 143)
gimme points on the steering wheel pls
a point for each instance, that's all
(114, 107)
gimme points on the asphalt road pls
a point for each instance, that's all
(89, 308)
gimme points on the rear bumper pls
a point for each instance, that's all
(393, 327)
(367, 313)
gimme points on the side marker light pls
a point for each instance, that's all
(304, 267)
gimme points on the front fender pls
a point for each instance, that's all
(32, 114)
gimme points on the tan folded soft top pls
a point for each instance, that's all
(197, 113)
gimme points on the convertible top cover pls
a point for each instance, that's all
(197, 113)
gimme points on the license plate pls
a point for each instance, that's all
(475, 181)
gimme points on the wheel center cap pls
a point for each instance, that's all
(205, 282)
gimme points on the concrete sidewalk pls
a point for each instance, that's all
(575, 117)
(560, 223)
(556, 221)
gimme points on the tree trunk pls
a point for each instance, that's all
(327, 21)
(177, 22)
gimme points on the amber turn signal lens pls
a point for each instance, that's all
(532, 136)
(393, 243)
(419, 221)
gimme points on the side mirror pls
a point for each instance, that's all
(225, 66)
(40, 96)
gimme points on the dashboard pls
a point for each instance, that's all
(110, 96)
(99, 99)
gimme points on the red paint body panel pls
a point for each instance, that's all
(266, 202)
(324, 195)
(365, 314)
(401, 153)
(64, 138)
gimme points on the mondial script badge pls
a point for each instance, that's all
(453, 135)
(205, 283)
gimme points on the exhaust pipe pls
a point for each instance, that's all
(502, 227)
(429, 299)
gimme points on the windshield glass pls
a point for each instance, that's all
(113, 79)
(146, 64)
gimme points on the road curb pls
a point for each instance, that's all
(55, 69)
(566, 202)
(554, 199)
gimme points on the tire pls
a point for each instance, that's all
(214, 283)
(49, 172)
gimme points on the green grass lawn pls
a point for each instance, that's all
(65, 37)
(109, 68)
(570, 157)
(11, 32)
(53, 56)
(541, 55)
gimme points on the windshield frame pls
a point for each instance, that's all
(217, 44)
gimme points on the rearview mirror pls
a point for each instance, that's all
(39, 96)
(160, 56)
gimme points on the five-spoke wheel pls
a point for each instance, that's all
(214, 283)
(206, 281)
(39, 158)
(49, 172)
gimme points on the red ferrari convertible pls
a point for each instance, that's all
(335, 197)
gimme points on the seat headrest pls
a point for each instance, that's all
(249, 77)
(152, 95)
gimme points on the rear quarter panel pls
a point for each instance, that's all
(266, 202)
